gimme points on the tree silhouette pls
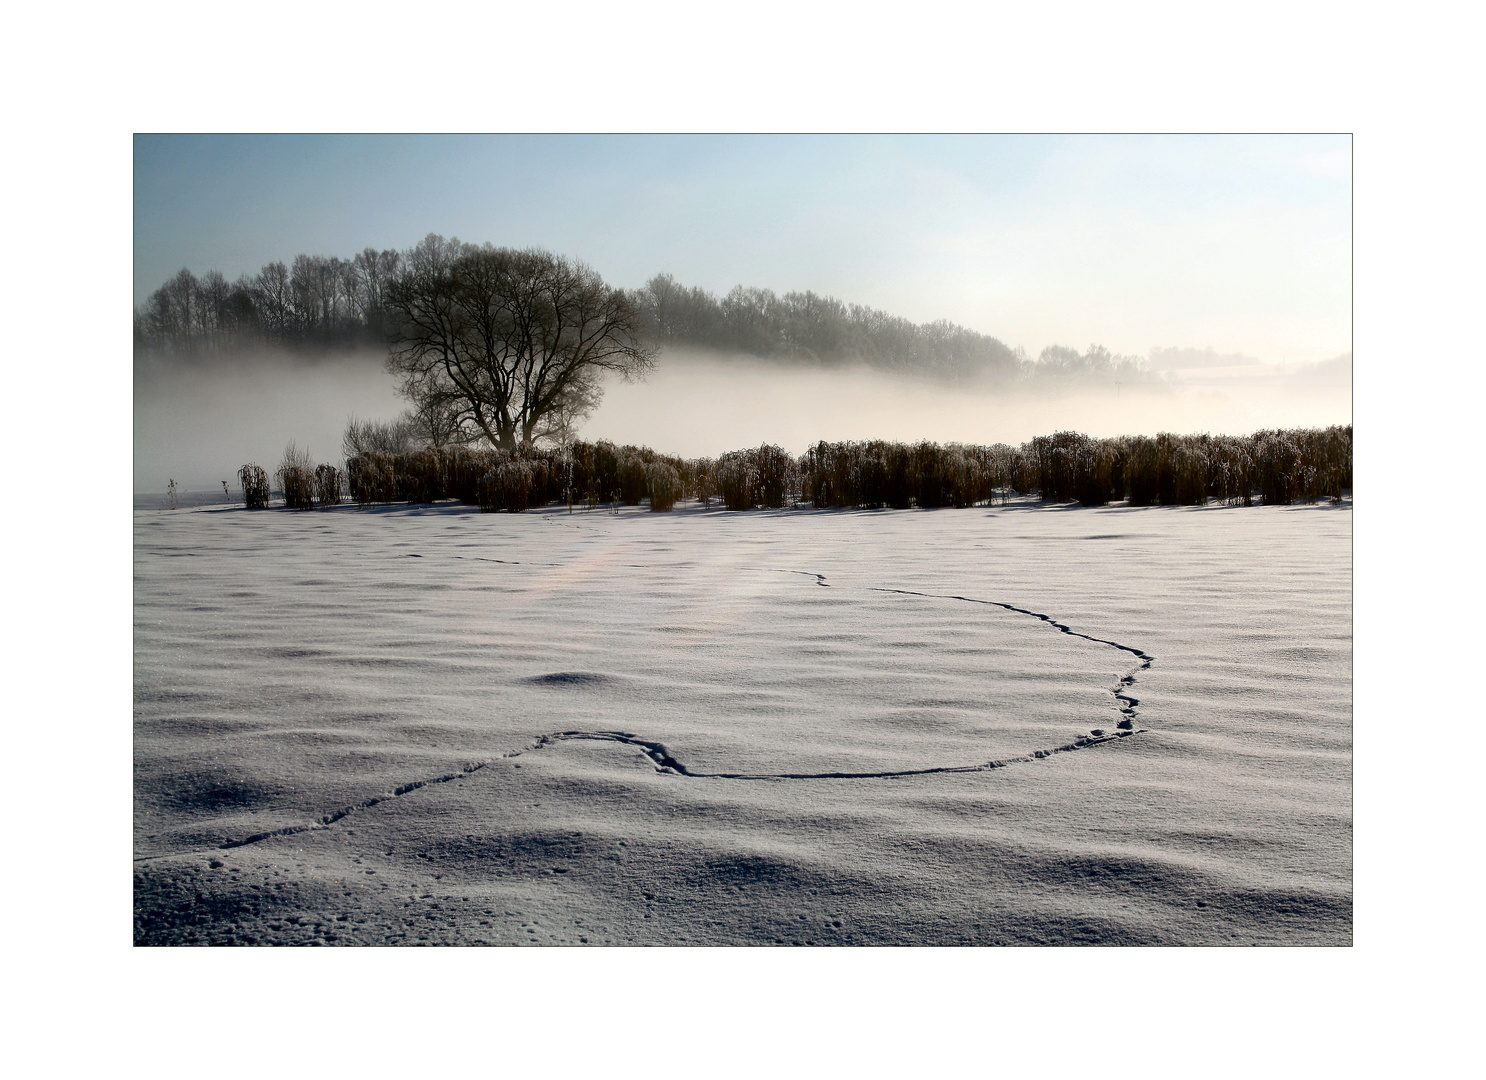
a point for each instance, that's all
(507, 343)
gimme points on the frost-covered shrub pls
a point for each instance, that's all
(1325, 469)
(1004, 471)
(774, 472)
(664, 484)
(968, 468)
(462, 468)
(372, 478)
(928, 479)
(699, 480)
(1229, 469)
(600, 472)
(1335, 464)
(421, 475)
(821, 469)
(545, 482)
(631, 478)
(296, 476)
(254, 481)
(579, 471)
(735, 483)
(327, 485)
(878, 473)
(506, 487)
(558, 484)
(765, 476)
(1070, 465)
(1063, 460)
(1096, 471)
(1141, 470)
(605, 479)
(888, 475)
(1277, 461)
(1189, 461)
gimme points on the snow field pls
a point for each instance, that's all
(369, 698)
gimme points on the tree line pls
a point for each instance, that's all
(805, 326)
(315, 303)
(318, 303)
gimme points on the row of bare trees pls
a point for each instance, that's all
(319, 302)
(806, 326)
(500, 347)
(315, 302)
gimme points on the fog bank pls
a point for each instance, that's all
(701, 407)
(198, 424)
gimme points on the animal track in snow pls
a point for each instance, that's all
(327, 820)
(1127, 703)
(820, 579)
(666, 762)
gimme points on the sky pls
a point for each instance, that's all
(1239, 243)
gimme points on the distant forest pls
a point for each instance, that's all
(318, 304)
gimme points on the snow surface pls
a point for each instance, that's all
(409, 725)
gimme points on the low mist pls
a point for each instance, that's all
(701, 406)
(198, 424)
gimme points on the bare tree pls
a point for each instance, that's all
(173, 311)
(510, 344)
(377, 437)
(431, 422)
(371, 271)
(274, 295)
(213, 316)
(304, 285)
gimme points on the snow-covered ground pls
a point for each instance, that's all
(431, 725)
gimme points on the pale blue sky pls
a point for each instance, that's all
(1241, 243)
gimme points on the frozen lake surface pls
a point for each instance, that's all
(428, 725)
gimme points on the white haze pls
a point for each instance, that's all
(198, 425)
(698, 406)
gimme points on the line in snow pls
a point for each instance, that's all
(1126, 703)
(666, 762)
